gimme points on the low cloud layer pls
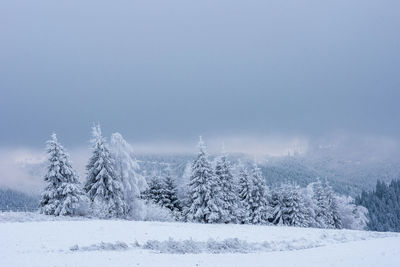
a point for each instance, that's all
(23, 168)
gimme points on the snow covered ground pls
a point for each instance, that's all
(28, 239)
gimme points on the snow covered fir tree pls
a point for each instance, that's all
(155, 191)
(103, 186)
(218, 192)
(204, 203)
(326, 213)
(245, 189)
(63, 194)
(170, 198)
(228, 190)
(383, 204)
(288, 207)
(163, 191)
(259, 208)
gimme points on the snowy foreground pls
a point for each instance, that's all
(28, 239)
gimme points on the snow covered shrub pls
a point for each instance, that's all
(352, 216)
(230, 245)
(173, 246)
(153, 212)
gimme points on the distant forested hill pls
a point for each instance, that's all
(11, 200)
(346, 176)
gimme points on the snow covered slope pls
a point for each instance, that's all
(130, 243)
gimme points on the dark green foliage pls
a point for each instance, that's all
(383, 206)
(11, 200)
(163, 192)
(170, 197)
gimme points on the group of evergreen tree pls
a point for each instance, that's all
(162, 191)
(217, 192)
(383, 206)
(112, 187)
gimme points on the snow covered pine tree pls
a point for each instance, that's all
(102, 185)
(204, 198)
(229, 197)
(277, 207)
(333, 207)
(259, 212)
(294, 211)
(326, 213)
(170, 196)
(63, 194)
(154, 192)
(245, 189)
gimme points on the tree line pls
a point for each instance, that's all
(221, 193)
(383, 205)
(217, 192)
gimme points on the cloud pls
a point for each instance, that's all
(23, 168)
(20, 169)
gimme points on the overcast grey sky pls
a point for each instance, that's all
(174, 69)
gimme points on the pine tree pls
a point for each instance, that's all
(295, 211)
(63, 194)
(289, 207)
(310, 204)
(277, 206)
(169, 195)
(383, 206)
(333, 207)
(245, 190)
(126, 167)
(323, 215)
(103, 185)
(204, 202)
(155, 191)
(259, 210)
(228, 187)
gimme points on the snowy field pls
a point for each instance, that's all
(28, 239)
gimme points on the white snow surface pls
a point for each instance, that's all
(29, 239)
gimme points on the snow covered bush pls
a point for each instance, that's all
(153, 212)
(352, 216)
